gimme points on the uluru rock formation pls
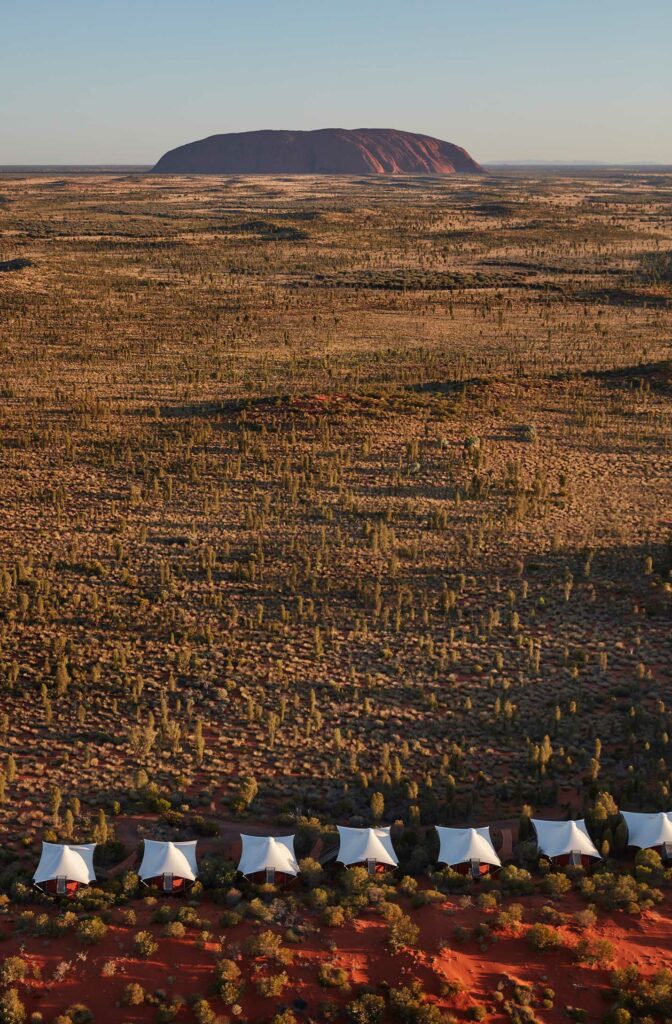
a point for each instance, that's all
(325, 151)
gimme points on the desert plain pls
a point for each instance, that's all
(335, 501)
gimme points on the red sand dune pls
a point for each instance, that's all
(326, 151)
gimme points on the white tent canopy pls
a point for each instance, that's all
(558, 838)
(177, 859)
(268, 853)
(58, 860)
(647, 830)
(462, 845)
(358, 845)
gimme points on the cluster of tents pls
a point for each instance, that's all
(173, 866)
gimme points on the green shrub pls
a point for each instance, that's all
(515, 881)
(12, 1010)
(174, 930)
(145, 944)
(12, 969)
(134, 994)
(330, 976)
(402, 933)
(228, 981)
(541, 937)
(597, 951)
(274, 985)
(556, 884)
(268, 944)
(91, 930)
(368, 1009)
(78, 1013)
(333, 917)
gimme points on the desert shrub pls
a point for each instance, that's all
(642, 996)
(425, 896)
(230, 918)
(163, 914)
(203, 826)
(619, 892)
(274, 985)
(542, 937)
(649, 867)
(228, 981)
(12, 1010)
(488, 900)
(462, 934)
(91, 930)
(268, 944)
(333, 917)
(311, 872)
(556, 884)
(367, 1009)
(174, 930)
(12, 969)
(450, 881)
(78, 1013)
(551, 915)
(478, 1013)
(284, 1017)
(330, 976)
(408, 1005)
(402, 932)
(319, 898)
(515, 881)
(597, 951)
(134, 994)
(510, 918)
(204, 1013)
(585, 918)
(145, 944)
(356, 880)
(408, 885)
(618, 1016)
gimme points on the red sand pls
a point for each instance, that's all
(181, 968)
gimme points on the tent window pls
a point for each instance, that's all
(61, 885)
(475, 867)
(270, 875)
(371, 865)
(167, 883)
(667, 851)
(575, 858)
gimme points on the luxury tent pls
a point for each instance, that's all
(369, 846)
(648, 831)
(468, 850)
(269, 856)
(567, 842)
(62, 868)
(172, 866)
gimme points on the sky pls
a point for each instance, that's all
(98, 82)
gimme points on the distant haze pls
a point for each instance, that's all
(101, 83)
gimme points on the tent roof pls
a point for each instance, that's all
(360, 844)
(647, 830)
(59, 860)
(262, 852)
(556, 838)
(169, 859)
(460, 845)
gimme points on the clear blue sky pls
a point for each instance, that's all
(92, 81)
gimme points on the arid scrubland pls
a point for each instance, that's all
(348, 486)
(335, 500)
